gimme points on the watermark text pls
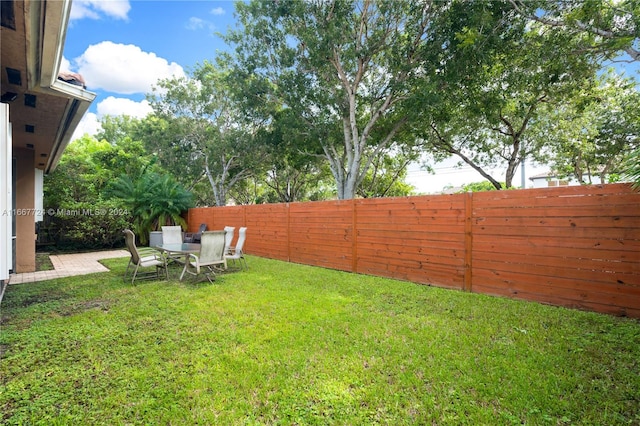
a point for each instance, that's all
(65, 212)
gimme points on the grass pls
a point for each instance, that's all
(43, 262)
(291, 344)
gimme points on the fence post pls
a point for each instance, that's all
(468, 241)
(244, 215)
(354, 238)
(288, 207)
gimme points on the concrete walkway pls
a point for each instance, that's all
(67, 265)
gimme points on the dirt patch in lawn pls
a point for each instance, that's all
(43, 262)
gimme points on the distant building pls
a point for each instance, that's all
(547, 179)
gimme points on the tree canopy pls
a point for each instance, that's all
(606, 28)
(204, 135)
(325, 98)
(343, 67)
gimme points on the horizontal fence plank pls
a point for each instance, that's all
(632, 234)
(570, 263)
(608, 293)
(536, 242)
(433, 274)
(573, 303)
(558, 195)
(569, 292)
(612, 276)
(595, 254)
(594, 219)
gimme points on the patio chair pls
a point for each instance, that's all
(144, 258)
(172, 235)
(211, 257)
(228, 238)
(194, 237)
(236, 252)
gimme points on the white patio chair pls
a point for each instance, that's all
(173, 235)
(211, 256)
(144, 259)
(236, 252)
(228, 239)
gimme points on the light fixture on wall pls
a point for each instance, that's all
(8, 97)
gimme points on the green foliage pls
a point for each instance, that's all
(478, 187)
(631, 168)
(346, 71)
(81, 225)
(79, 175)
(292, 164)
(607, 28)
(591, 134)
(386, 177)
(84, 217)
(154, 201)
(501, 73)
(291, 344)
(200, 133)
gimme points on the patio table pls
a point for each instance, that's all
(185, 248)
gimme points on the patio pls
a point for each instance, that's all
(68, 265)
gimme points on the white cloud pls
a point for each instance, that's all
(65, 65)
(123, 106)
(196, 24)
(124, 69)
(88, 125)
(96, 9)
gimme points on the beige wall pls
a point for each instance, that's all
(25, 223)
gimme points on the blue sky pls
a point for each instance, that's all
(122, 48)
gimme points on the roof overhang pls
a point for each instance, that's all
(46, 111)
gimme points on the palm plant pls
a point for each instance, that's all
(154, 201)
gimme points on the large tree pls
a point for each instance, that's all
(592, 134)
(386, 176)
(607, 28)
(293, 165)
(201, 133)
(500, 74)
(343, 67)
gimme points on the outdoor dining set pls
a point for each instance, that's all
(203, 252)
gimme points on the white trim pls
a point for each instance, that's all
(6, 199)
(53, 34)
(38, 195)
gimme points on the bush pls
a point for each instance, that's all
(85, 226)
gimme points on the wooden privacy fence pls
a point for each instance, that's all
(573, 246)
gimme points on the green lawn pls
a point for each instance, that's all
(297, 345)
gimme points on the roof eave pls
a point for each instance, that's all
(47, 48)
